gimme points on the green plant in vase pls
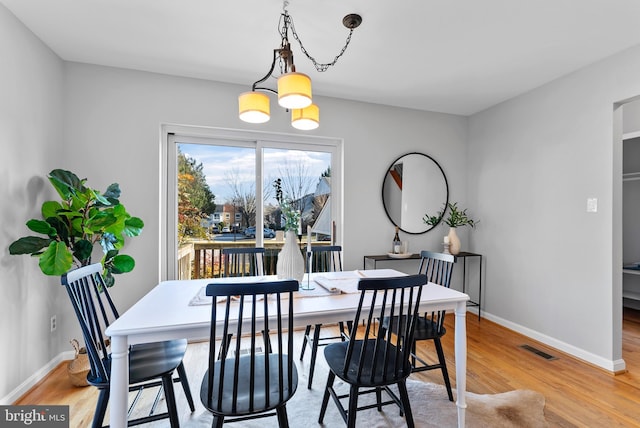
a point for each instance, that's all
(457, 218)
(290, 214)
(82, 219)
(290, 263)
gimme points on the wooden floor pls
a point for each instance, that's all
(577, 394)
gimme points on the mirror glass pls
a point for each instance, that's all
(414, 185)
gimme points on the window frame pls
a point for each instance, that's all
(171, 135)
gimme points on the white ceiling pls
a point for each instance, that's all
(452, 56)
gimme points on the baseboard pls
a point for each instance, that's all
(613, 366)
(33, 380)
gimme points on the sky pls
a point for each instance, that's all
(222, 162)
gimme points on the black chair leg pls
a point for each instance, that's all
(267, 342)
(404, 399)
(218, 421)
(283, 421)
(101, 408)
(224, 347)
(169, 395)
(314, 352)
(413, 354)
(307, 330)
(343, 334)
(353, 406)
(379, 398)
(443, 364)
(346, 335)
(325, 398)
(185, 385)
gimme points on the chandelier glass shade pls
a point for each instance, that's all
(293, 89)
(254, 107)
(306, 119)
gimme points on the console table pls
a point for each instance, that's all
(464, 255)
(371, 262)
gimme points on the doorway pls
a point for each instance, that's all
(630, 211)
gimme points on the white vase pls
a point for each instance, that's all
(290, 261)
(454, 241)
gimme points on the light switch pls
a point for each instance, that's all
(592, 205)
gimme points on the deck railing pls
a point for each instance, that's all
(201, 259)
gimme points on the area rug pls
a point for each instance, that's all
(429, 403)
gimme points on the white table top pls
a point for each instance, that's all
(167, 309)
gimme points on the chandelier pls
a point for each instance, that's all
(293, 88)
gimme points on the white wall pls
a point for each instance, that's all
(553, 270)
(31, 96)
(631, 117)
(114, 116)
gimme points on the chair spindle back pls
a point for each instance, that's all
(242, 261)
(250, 309)
(95, 310)
(326, 258)
(438, 267)
(384, 356)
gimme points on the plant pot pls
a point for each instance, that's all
(290, 260)
(454, 241)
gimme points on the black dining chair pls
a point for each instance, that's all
(150, 364)
(243, 381)
(324, 258)
(242, 261)
(438, 268)
(375, 360)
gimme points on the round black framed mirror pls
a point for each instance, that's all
(414, 185)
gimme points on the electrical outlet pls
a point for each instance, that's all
(53, 324)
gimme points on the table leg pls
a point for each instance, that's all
(119, 382)
(461, 360)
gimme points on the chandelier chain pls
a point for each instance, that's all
(319, 66)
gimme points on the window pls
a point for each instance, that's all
(237, 170)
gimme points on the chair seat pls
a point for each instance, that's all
(385, 371)
(148, 361)
(261, 402)
(427, 329)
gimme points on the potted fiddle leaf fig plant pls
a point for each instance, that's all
(82, 219)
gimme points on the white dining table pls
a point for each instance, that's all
(175, 309)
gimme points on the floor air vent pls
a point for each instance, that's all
(538, 352)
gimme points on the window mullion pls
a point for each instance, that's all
(259, 193)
